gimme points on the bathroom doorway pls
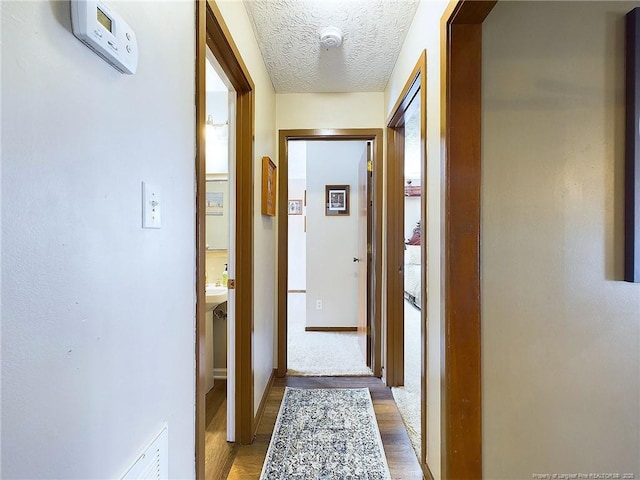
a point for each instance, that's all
(219, 227)
(213, 43)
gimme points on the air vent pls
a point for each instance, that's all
(152, 464)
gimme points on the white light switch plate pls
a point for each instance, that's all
(150, 206)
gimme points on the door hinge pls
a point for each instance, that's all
(369, 166)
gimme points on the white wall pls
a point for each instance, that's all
(98, 314)
(411, 215)
(237, 21)
(332, 241)
(217, 138)
(297, 277)
(330, 110)
(297, 245)
(560, 330)
(425, 34)
(297, 241)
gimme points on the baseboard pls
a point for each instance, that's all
(296, 291)
(263, 402)
(426, 472)
(219, 373)
(330, 329)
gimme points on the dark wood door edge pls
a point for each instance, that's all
(200, 400)
(376, 137)
(461, 396)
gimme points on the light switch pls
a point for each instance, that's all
(150, 206)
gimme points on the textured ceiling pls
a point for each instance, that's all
(288, 33)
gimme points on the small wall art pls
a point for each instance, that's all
(268, 187)
(215, 203)
(336, 200)
(295, 207)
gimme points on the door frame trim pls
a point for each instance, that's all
(212, 33)
(374, 135)
(461, 134)
(394, 313)
(415, 86)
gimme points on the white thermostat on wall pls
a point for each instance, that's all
(106, 33)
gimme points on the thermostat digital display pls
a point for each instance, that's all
(104, 20)
(106, 33)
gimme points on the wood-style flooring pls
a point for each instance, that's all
(219, 454)
(401, 458)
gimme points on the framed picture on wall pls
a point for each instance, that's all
(336, 200)
(215, 203)
(268, 187)
(295, 207)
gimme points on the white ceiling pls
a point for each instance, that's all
(288, 33)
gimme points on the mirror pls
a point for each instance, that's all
(217, 214)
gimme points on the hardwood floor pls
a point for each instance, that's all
(401, 458)
(219, 453)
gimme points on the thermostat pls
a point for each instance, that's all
(106, 33)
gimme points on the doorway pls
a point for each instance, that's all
(213, 36)
(372, 333)
(406, 267)
(327, 257)
(219, 266)
(409, 395)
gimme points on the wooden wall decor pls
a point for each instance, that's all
(268, 187)
(632, 149)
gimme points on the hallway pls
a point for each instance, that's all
(531, 333)
(400, 456)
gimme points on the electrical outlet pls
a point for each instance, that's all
(318, 304)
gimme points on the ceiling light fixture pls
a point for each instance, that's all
(211, 124)
(331, 37)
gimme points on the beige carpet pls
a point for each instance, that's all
(320, 353)
(408, 397)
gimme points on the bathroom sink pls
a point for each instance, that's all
(215, 295)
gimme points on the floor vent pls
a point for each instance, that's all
(152, 463)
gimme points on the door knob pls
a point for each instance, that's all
(355, 259)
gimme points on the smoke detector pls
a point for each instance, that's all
(331, 37)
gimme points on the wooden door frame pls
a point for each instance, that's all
(376, 137)
(461, 135)
(414, 89)
(212, 33)
(394, 313)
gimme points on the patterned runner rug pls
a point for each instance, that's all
(327, 434)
